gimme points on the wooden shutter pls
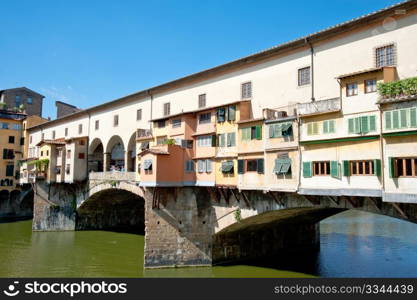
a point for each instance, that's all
(315, 128)
(377, 167)
(213, 140)
(309, 128)
(277, 130)
(364, 124)
(208, 166)
(334, 168)
(403, 118)
(332, 126)
(232, 113)
(260, 165)
(395, 119)
(413, 117)
(240, 166)
(307, 169)
(258, 132)
(351, 125)
(271, 131)
(346, 168)
(391, 163)
(372, 123)
(326, 126)
(357, 127)
(388, 120)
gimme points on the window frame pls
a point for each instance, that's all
(379, 63)
(116, 120)
(403, 160)
(139, 114)
(204, 120)
(355, 91)
(202, 100)
(301, 76)
(326, 168)
(356, 164)
(166, 108)
(366, 85)
(246, 91)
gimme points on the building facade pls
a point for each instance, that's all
(23, 99)
(328, 114)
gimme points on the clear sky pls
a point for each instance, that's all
(89, 52)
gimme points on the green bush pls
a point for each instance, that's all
(405, 87)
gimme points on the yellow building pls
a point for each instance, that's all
(11, 141)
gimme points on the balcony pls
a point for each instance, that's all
(143, 133)
(113, 175)
(319, 107)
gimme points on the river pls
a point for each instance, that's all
(353, 244)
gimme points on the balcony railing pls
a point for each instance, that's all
(319, 107)
(142, 133)
(113, 175)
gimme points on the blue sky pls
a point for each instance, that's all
(90, 52)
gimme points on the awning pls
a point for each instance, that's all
(227, 167)
(147, 165)
(282, 166)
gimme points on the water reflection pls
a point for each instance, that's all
(353, 244)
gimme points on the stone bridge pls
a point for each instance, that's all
(197, 226)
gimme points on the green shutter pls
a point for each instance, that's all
(240, 166)
(395, 119)
(332, 126)
(233, 136)
(325, 126)
(315, 128)
(258, 132)
(307, 169)
(413, 117)
(372, 123)
(351, 125)
(271, 131)
(213, 140)
(232, 113)
(391, 162)
(277, 130)
(277, 167)
(364, 124)
(260, 165)
(388, 120)
(334, 168)
(403, 118)
(357, 125)
(346, 168)
(377, 167)
(309, 128)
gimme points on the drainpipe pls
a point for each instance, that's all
(307, 41)
(381, 146)
(88, 141)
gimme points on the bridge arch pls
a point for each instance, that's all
(96, 156)
(131, 153)
(112, 209)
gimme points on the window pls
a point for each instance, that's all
(11, 139)
(17, 101)
(362, 167)
(201, 166)
(189, 166)
(205, 141)
(47, 152)
(312, 128)
(30, 139)
(280, 130)
(42, 136)
(80, 128)
(231, 139)
(16, 127)
(81, 142)
(81, 155)
(363, 124)
(403, 167)
(167, 109)
(370, 85)
(4, 126)
(251, 133)
(58, 170)
(385, 56)
(29, 100)
(251, 165)
(116, 120)
(68, 154)
(321, 168)
(8, 154)
(22, 141)
(161, 140)
(329, 126)
(68, 169)
(221, 114)
(221, 140)
(147, 166)
(139, 114)
(66, 131)
(53, 134)
(97, 125)
(176, 123)
(304, 76)
(246, 90)
(351, 89)
(209, 167)
(201, 100)
(10, 170)
(161, 124)
(401, 118)
(204, 118)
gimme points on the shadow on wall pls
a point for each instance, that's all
(114, 210)
(16, 205)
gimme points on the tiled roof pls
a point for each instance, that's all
(370, 70)
(154, 151)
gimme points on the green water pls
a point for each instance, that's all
(24, 253)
